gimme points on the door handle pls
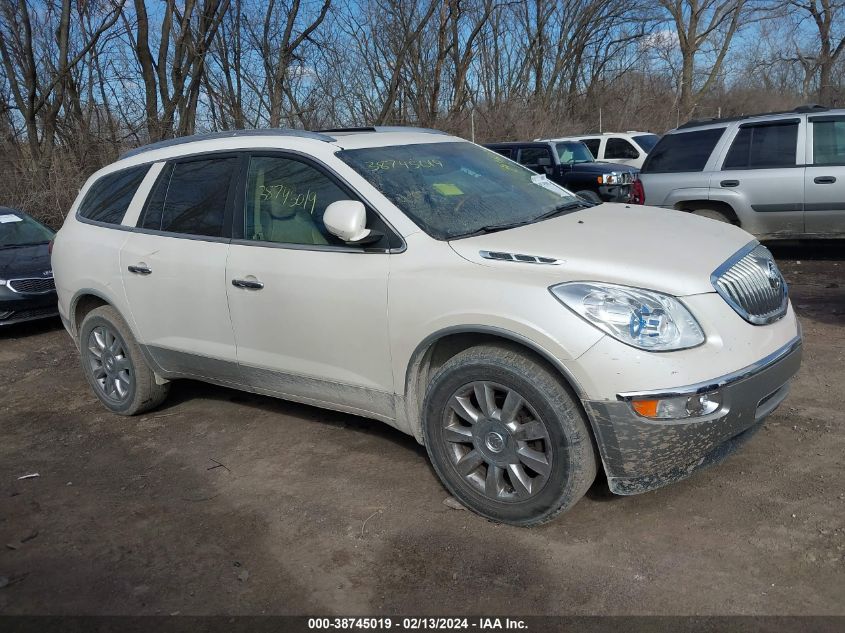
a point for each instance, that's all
(139, 270)
(824, 180)
(729, 183)
(249, 284)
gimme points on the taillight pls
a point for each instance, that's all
(637, 192)
(50, 247)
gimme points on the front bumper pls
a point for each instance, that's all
(641, 454)
(615, 193)
(18, 307)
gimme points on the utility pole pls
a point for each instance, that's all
(472, 124)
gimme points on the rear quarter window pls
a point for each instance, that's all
(109, 197)
(684, 151)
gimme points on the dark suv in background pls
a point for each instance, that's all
(571, 165)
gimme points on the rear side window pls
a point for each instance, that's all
(109, 197)
(620, 148)
(762, 146)
(684, 151)
(829, 142)
(647, 141)
(504, 151)
(191, 197)
(593, 144)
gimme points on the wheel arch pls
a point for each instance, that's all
(438, 347)
(716, 205)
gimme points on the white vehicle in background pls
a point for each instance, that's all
(627, 148)
(530, 340)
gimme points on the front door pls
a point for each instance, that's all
(309, 313)
(173, 268)
(824, 180)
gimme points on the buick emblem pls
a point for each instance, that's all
(772, 273)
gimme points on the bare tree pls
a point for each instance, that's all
(702, 24)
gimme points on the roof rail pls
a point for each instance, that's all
(382, 128)
(812, 107)
(226, 134)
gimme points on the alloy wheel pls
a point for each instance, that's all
(496, 441)
(110, 366)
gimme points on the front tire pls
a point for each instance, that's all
(506, 437)
(114, 366)
(590, 196)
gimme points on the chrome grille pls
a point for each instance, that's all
(627, 177)
(37, 285)
(752, 285)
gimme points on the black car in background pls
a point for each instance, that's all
(571, 165)
(27, 289)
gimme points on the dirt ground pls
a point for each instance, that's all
(227, 503)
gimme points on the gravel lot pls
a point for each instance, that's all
(223, 502)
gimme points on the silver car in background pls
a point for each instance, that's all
(778, 175)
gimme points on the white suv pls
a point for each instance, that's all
(626, 148)
(524, 337)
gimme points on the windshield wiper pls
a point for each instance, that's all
(492, 228)
(23, 244)
(569, 206)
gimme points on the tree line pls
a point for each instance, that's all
(83, 80)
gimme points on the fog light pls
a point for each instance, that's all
(679, 407)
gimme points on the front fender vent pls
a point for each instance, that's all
(515, 257)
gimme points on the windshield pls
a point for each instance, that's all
(574, 152)
(456, 189)
(647, 141)
(17, 229)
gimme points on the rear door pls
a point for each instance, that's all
(762, 167)
(174, 267)
(538, 159)
(824, 177)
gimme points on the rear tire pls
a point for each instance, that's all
(505, 436)
(114, 365)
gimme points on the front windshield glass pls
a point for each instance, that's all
(17, 229)
(456, 189)
(647, 141)
(574, 152)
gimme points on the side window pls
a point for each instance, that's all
(761, 146)
(620, 148)
(109, 197)
(593, 144)
(285, 201)
(190, 197)
(829, 142)
(536, 158)
(683, 151)
(505, 151)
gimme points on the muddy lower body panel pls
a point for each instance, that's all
(641, 454)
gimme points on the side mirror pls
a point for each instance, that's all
(347, 220)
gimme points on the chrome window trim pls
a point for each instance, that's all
(722, 381)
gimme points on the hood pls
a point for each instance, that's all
(660, 249)
(599, 168)
(24, 261)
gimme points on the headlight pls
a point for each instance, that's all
(613, 178)
(2, 282)
(641, 318)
